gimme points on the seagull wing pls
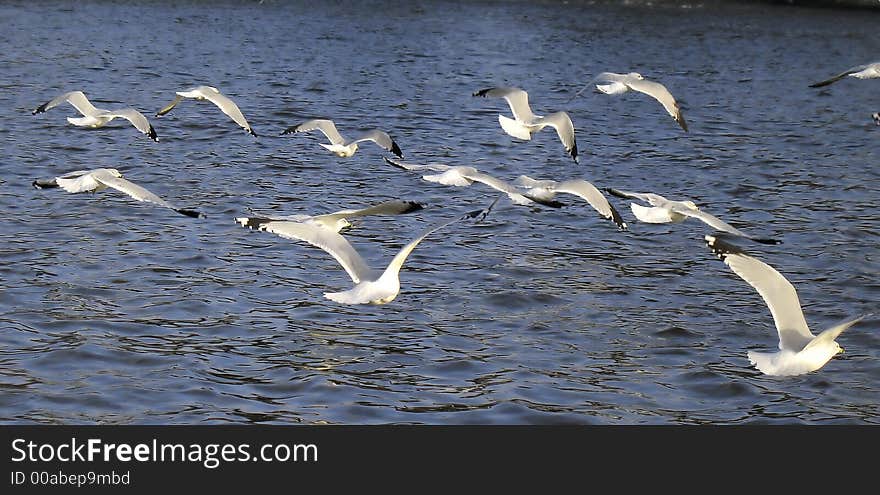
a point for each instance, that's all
(593, 196)
(137, 119)
(649, 198)
(331, 242)
(137, 192)
(661, 94)
(228, 107)
(167, 108)
(323, 125)
(835, 331)
(564, 128)
(76, 98)
(512, 192)
(400, 257)
(393, 207)
(76, 182)
(715, 222)
(382, 139)
(516, 98)
(840, 76)
(777, 292)
(439, 167)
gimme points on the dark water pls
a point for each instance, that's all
(118, 312)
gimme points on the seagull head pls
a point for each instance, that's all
(114, 172)
(690, 204)
(839, 349)
(635, 75)
(342, 224)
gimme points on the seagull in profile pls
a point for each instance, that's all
(524, 123)
(339, 145)
(371, 286)
(213, 95)
(546, 190)
(102, 178)
(465, 176)
(799, 350)
(334, 222)
(97, 117)
(867, 71)
(663, 210)
(615, 84)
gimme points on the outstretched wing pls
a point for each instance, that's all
(138, 120)
(594, 197)
(323, 125)
(716, 223)
(382, 139)
(652, 199)
(331, 242)
(229, 107)
(840, 76)
(167, 108)
(777, 292)
(137, 192)
(439, 167)
(517, 99)
(661, 94)
(76, 98)
(393, 207)
(565, 129)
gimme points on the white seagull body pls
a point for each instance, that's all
(102, 178)
(465, 176)
(371, 286)
(867, 71)
(799, 350)
(213, 95)
(97, 117)
(615, 84)
(546, 190)
(663, 210)
(339, 145)
(525, 123)
(332, 221)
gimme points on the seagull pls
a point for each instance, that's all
(465, 176)
(799, 350)
(102, 178)
(371, 286)
(97, 117)
(339, 145)
(876, 116)
(663, 210)
(213, 95)
(337, 221)
(867, 71)
(525, 123)
(615, 84)
(547, 189)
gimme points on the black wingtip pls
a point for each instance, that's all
(290, 130)
(481, 92)
(876, 117)
(152, 134)
(574, 153)
(617, 219)
(392, 162)
(767, 241)
(615, 192)
(412, 206)
(251, 132)
(252, 222)
(44, 183)
(719, 245)
(39, 109)
(191, 213)
(396, 150)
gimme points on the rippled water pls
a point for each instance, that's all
(118, 312)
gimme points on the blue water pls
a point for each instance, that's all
(113, 311)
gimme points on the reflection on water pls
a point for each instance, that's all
(115, 312)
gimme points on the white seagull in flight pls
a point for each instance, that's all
(615, 84)
(465, 176)
(525, 123)
(213, 95)
(339, 145)
(336, 221)
(97, 117)
(371, 286)
(799, 350)
(102, 178)
(663, 210)
(546, 190)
